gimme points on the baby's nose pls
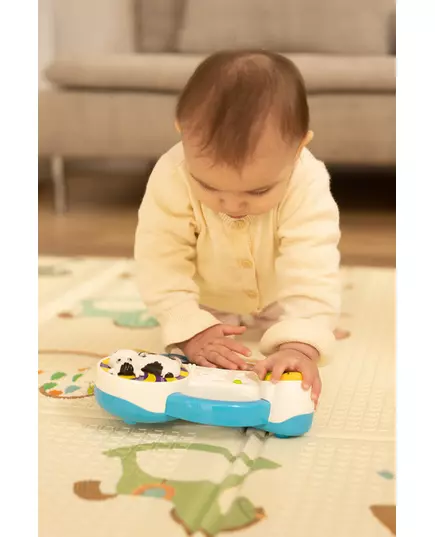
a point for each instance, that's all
(233, 205)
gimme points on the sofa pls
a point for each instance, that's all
(119, 65)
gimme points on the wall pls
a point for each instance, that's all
(46, 54)
(45, 38)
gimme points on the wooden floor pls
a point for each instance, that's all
(102, 217)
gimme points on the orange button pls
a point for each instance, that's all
(246, 263)
(251, 294)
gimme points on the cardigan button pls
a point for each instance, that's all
(239, 224)
(251, 294)
(246, 263)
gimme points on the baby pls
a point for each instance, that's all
(238, 220)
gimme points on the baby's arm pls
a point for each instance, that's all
(165, 251)
(307, 265)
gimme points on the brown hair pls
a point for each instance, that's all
(230, 96)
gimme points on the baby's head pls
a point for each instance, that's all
(243, 118)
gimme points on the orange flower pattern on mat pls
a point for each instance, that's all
(55, 393)
(157, 490)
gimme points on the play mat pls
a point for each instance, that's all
(99, 477)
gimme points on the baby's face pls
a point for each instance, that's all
(255, 189)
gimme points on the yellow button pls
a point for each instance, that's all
(240, 224)
(290, 375)
(251, 294)
(246, 263)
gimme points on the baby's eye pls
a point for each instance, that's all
(206, 187)
(260, 192)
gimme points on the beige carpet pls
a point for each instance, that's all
(99, 477)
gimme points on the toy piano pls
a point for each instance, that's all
(140, 387)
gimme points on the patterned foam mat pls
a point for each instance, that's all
(101, 477)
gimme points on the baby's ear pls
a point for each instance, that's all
(304, 142)
(308, 138)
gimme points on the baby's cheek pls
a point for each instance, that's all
(209, 199)
(264, 204)
(276, 196)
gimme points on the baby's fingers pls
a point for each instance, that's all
(214, 355)
(203, 362)
(236, 346)
(260, 369)
(309, 372)
(277, 372)
(316, 389)
(230, 330)
(237, 361)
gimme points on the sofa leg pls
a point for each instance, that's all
(59, 184)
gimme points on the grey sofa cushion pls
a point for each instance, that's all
(83, 28)
(169, 72)
(327, 26)
(156, 24)
(126, 124)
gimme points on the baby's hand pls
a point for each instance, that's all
(212, 348)
(293, 358)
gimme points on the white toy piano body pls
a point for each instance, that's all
(150, 388)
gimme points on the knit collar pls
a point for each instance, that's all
(236, 222)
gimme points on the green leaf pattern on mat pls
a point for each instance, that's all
(76, 383)
(196, 504)
(49, 386)
(126, 318)
(58, 375)
(386, 474)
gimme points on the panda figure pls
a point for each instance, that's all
(129, 363)
(160, 365)
(126, 363)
